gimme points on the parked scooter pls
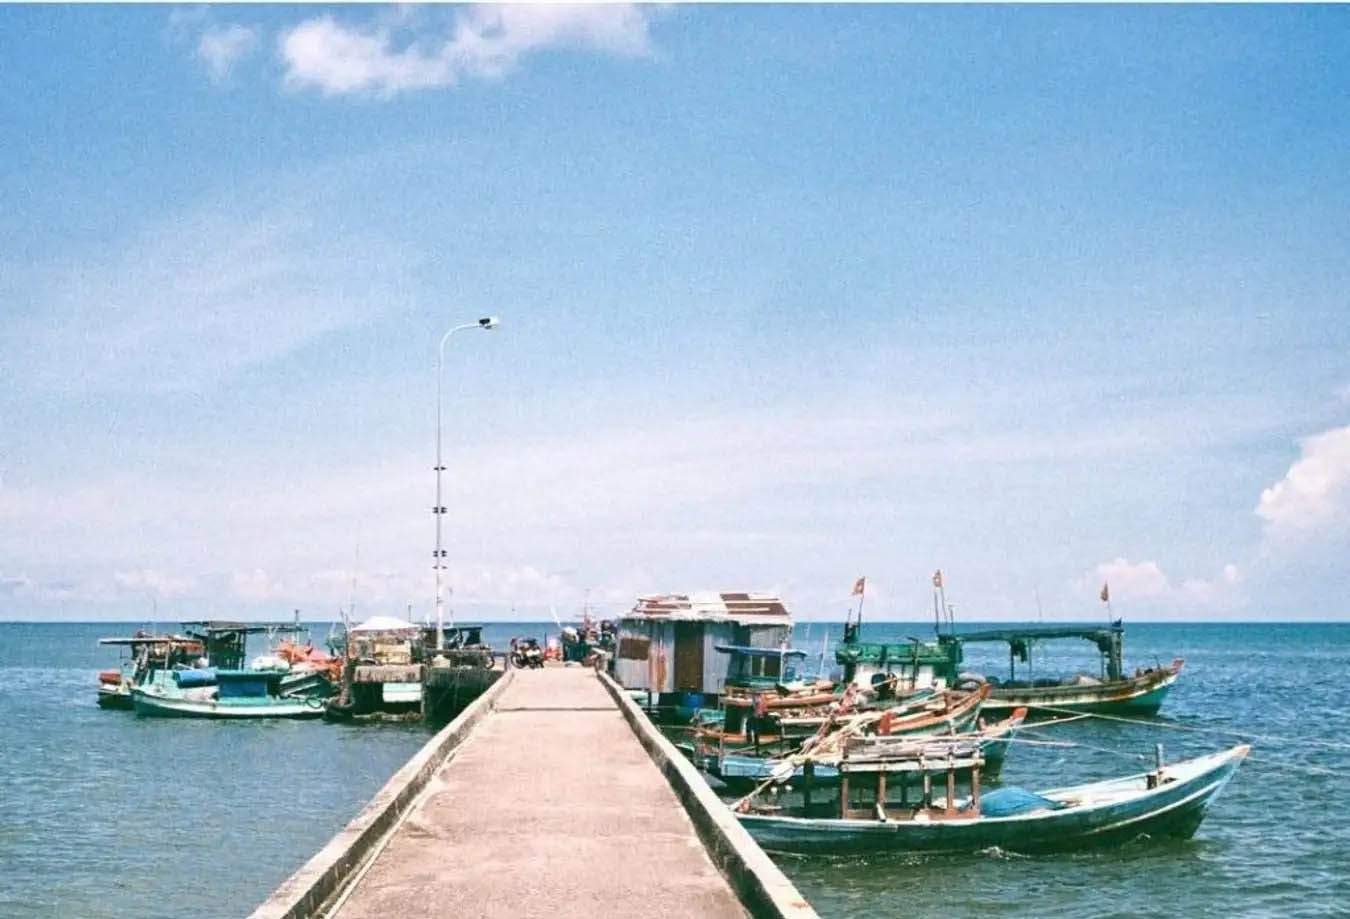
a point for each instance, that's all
(526, 653)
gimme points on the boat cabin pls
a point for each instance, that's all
(226, 642)
(761, 668)
(896, 669)
(667, 644)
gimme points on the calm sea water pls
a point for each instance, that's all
(103, 814)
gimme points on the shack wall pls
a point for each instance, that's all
(645, 653)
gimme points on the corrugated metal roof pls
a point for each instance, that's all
(744, 607)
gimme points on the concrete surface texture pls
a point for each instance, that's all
(550, 808)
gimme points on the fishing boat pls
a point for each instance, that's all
(1112, 691)
(779, 735)
(144, 655)
(221, 687)
(224, 694)
(1168, 801)
(739, 771)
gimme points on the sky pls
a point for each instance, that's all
(1043, 297)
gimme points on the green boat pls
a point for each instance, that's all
(1113, 692)
(223, 694)
(224, 688)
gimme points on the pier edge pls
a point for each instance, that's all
(306, 891)
(761, 885)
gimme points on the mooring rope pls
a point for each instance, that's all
(1265, 738)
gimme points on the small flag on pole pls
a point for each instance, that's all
(937, 578)
(1106, 593)
(858, 587)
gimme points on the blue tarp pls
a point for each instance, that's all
(1005, 802)
(188, 678)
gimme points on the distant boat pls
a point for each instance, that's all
(1169, 801)
(223, 694)
(144, 656)
(224, 689)
(1114, 692)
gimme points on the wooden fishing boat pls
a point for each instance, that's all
(223, 694)
(740, 771)
(1169, 801)
(1112, 692)
(143, 656)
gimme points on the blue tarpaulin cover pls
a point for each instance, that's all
(1005, 802)
(186, 678)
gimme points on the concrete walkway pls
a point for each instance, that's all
(551, 808)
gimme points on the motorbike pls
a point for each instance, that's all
(526, 653)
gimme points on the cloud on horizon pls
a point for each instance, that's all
(1312, 499)
(1146, 582)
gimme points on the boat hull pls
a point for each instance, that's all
(1135, 696)
(119, 700)
(157, 706)
(1172, 810)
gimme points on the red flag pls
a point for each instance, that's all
(858, 586)
(1106, 593)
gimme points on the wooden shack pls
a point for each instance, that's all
(667, 644)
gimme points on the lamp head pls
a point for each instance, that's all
(489, 322)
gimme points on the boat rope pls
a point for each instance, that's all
(1070, 743)
(1245, 735)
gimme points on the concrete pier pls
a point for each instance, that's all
(550, 808)
(550, 795)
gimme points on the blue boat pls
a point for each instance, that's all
(224, 689)
(1169, 801)
(223, 694)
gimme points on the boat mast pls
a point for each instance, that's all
(939, 601)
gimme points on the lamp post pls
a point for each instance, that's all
(487, 322)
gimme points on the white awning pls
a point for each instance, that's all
(385, 624)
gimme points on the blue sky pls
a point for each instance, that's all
(1044, 297)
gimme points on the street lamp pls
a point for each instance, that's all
(487, 322)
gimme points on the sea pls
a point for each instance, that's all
(104, 814)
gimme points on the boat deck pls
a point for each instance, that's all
(551, 808)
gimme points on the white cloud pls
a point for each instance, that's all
(1314, 495)
(255, 281)
(221, 47)
(1147, 584)
(485, 42)
(156, 583)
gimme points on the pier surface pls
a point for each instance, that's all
(550, 808)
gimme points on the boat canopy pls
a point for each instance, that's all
(760, 652)
(1108, 640)
(244, 628)
(150, 640)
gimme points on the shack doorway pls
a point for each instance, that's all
(689, 657)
